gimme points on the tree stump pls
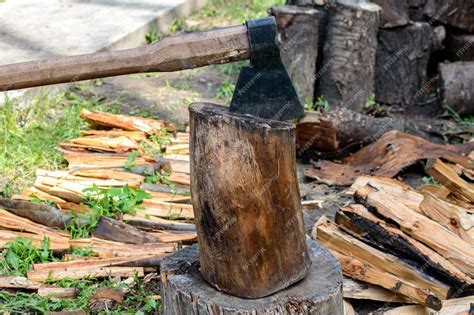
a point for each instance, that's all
(402, 57)
(246, 202)
(456, 86)
(184, 291)
(349, 54)
(299, 32)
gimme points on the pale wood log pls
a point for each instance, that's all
(166, 209)
(118, 144)
(85, 272)
(459, 306)
(170, 54)
(246, 202)
(91, 263)
(362, 262)
(155, 223)
(445, 175)
(359, 222)
(53, 292)
(16, 282)
(134, 135)
(421, 228)
(453, 217)
(353, 289)
(186, 292)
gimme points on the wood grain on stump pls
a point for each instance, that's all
(246, 202)
(349, 54)
(299, 32)
(186, 292)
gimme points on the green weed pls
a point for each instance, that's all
(225, 91)
(113, 202)
(131, 158)
(20, 255)
(153, 35)
(321, 104)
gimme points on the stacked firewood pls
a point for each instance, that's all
(396, 52)
(416, 244)
(108, 156)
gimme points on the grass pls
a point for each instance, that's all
(29, 134)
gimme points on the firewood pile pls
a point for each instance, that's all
(417, 244)
(123, 246)
(415, 56)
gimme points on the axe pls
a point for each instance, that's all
(263, 88)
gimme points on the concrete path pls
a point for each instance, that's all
(32, 29)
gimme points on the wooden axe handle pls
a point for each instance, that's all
(170, 54)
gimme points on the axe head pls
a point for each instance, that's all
(264, 88)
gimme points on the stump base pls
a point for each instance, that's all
(185, 291)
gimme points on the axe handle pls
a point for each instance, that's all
(170, 54)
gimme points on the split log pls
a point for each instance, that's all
(108, 249)
(169, 237)
(160, 188)
(348, 308)
(349, 53)
(118, 144)
(397, 189)
(394, 13)
(453, 217)
(353, 289)
(130, 123)
(386, 157)
(243, 171)
(154, 223)
(456, 86)
(180, 179)
(362, 262)
(55, 245)
(78, 160)
(448, 177)
(460, 46)
(114, 230)
(298, 28)
(402, 56)
(36, 212)
(85, 272)
(15, 282)
(177, 148)
(359, 222)
(109, 174)
(186, 292)
(421, 228)
(460, 306)
(166, 209)
(54, 292)
(138, 136)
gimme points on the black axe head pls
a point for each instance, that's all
(264, 88)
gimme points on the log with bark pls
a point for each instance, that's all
(298, 28)
(456, 86)
(360, 223)
(386, 157)
(432, 234)
(394, 13)
(363, 262)
(402, 56)
(349, 54)
(246, 202)
(186, 292)
(114, 230)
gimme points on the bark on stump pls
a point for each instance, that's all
(402, 63)
(299, 32)
(394, 13)
(349, 54)
(456, 86)
(185, 291)
(246, 202)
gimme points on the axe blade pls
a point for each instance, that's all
(264, 88)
